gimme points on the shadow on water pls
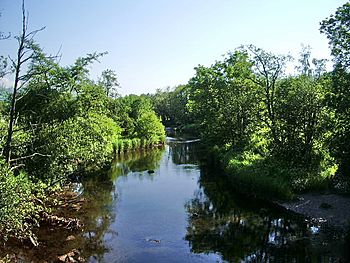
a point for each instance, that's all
(239, 229)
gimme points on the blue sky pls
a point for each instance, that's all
(157, 43)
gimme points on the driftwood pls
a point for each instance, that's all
(68, 223)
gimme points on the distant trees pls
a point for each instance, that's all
(171, 106)
(109, 82)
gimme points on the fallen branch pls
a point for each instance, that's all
(30, 156)
(17, 166)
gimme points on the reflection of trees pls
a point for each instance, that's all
(185, 153)
(96, 213)
(241, 230)
(136, 161)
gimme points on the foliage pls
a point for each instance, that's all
(222, 99)
(75, 145)
(20, 204)
(109, 82)
(299, 112)
(139, 119)
(337, 28)
(269, 130)
(171, 106)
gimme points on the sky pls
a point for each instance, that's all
(154, 44)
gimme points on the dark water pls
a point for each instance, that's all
(185, 212)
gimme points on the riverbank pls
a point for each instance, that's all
(331, 209)
(64, 219)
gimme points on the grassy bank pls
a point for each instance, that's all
(125, 144)
(270, 178)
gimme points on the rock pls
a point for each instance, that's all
(70, 238)
(157, 241)
(73, 256)
(151, 171)
(67, 257)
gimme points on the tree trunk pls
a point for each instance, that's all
(17, 65)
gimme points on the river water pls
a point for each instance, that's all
(167, 205)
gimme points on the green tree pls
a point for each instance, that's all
(171, 106)
(337, 29)
(268, 68)
(223, 99)
(109, 82)
(140, 120)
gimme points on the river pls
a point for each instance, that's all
(168, 205)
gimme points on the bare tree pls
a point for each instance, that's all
(27, 52)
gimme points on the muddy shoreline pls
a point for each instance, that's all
(330, 209)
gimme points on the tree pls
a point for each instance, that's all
(268, 69)
(222, 99)
(109, 82)
(27, 51)
(171, 106)
(138, 118)
(337, 30)
(3, 66)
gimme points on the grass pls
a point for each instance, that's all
(268, 178)
(125, 144)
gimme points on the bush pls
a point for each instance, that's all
(143, 143)
(20, 205)
(253, 175)
(268, 177)
(77, 143)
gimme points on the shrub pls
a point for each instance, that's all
(77, 143)
(20, 204)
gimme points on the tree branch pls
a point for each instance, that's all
(30, 156)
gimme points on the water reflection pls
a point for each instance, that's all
(136, 161)
(185, 151)
(248, 231)
(101, 212)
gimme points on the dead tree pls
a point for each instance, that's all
(27, 52)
